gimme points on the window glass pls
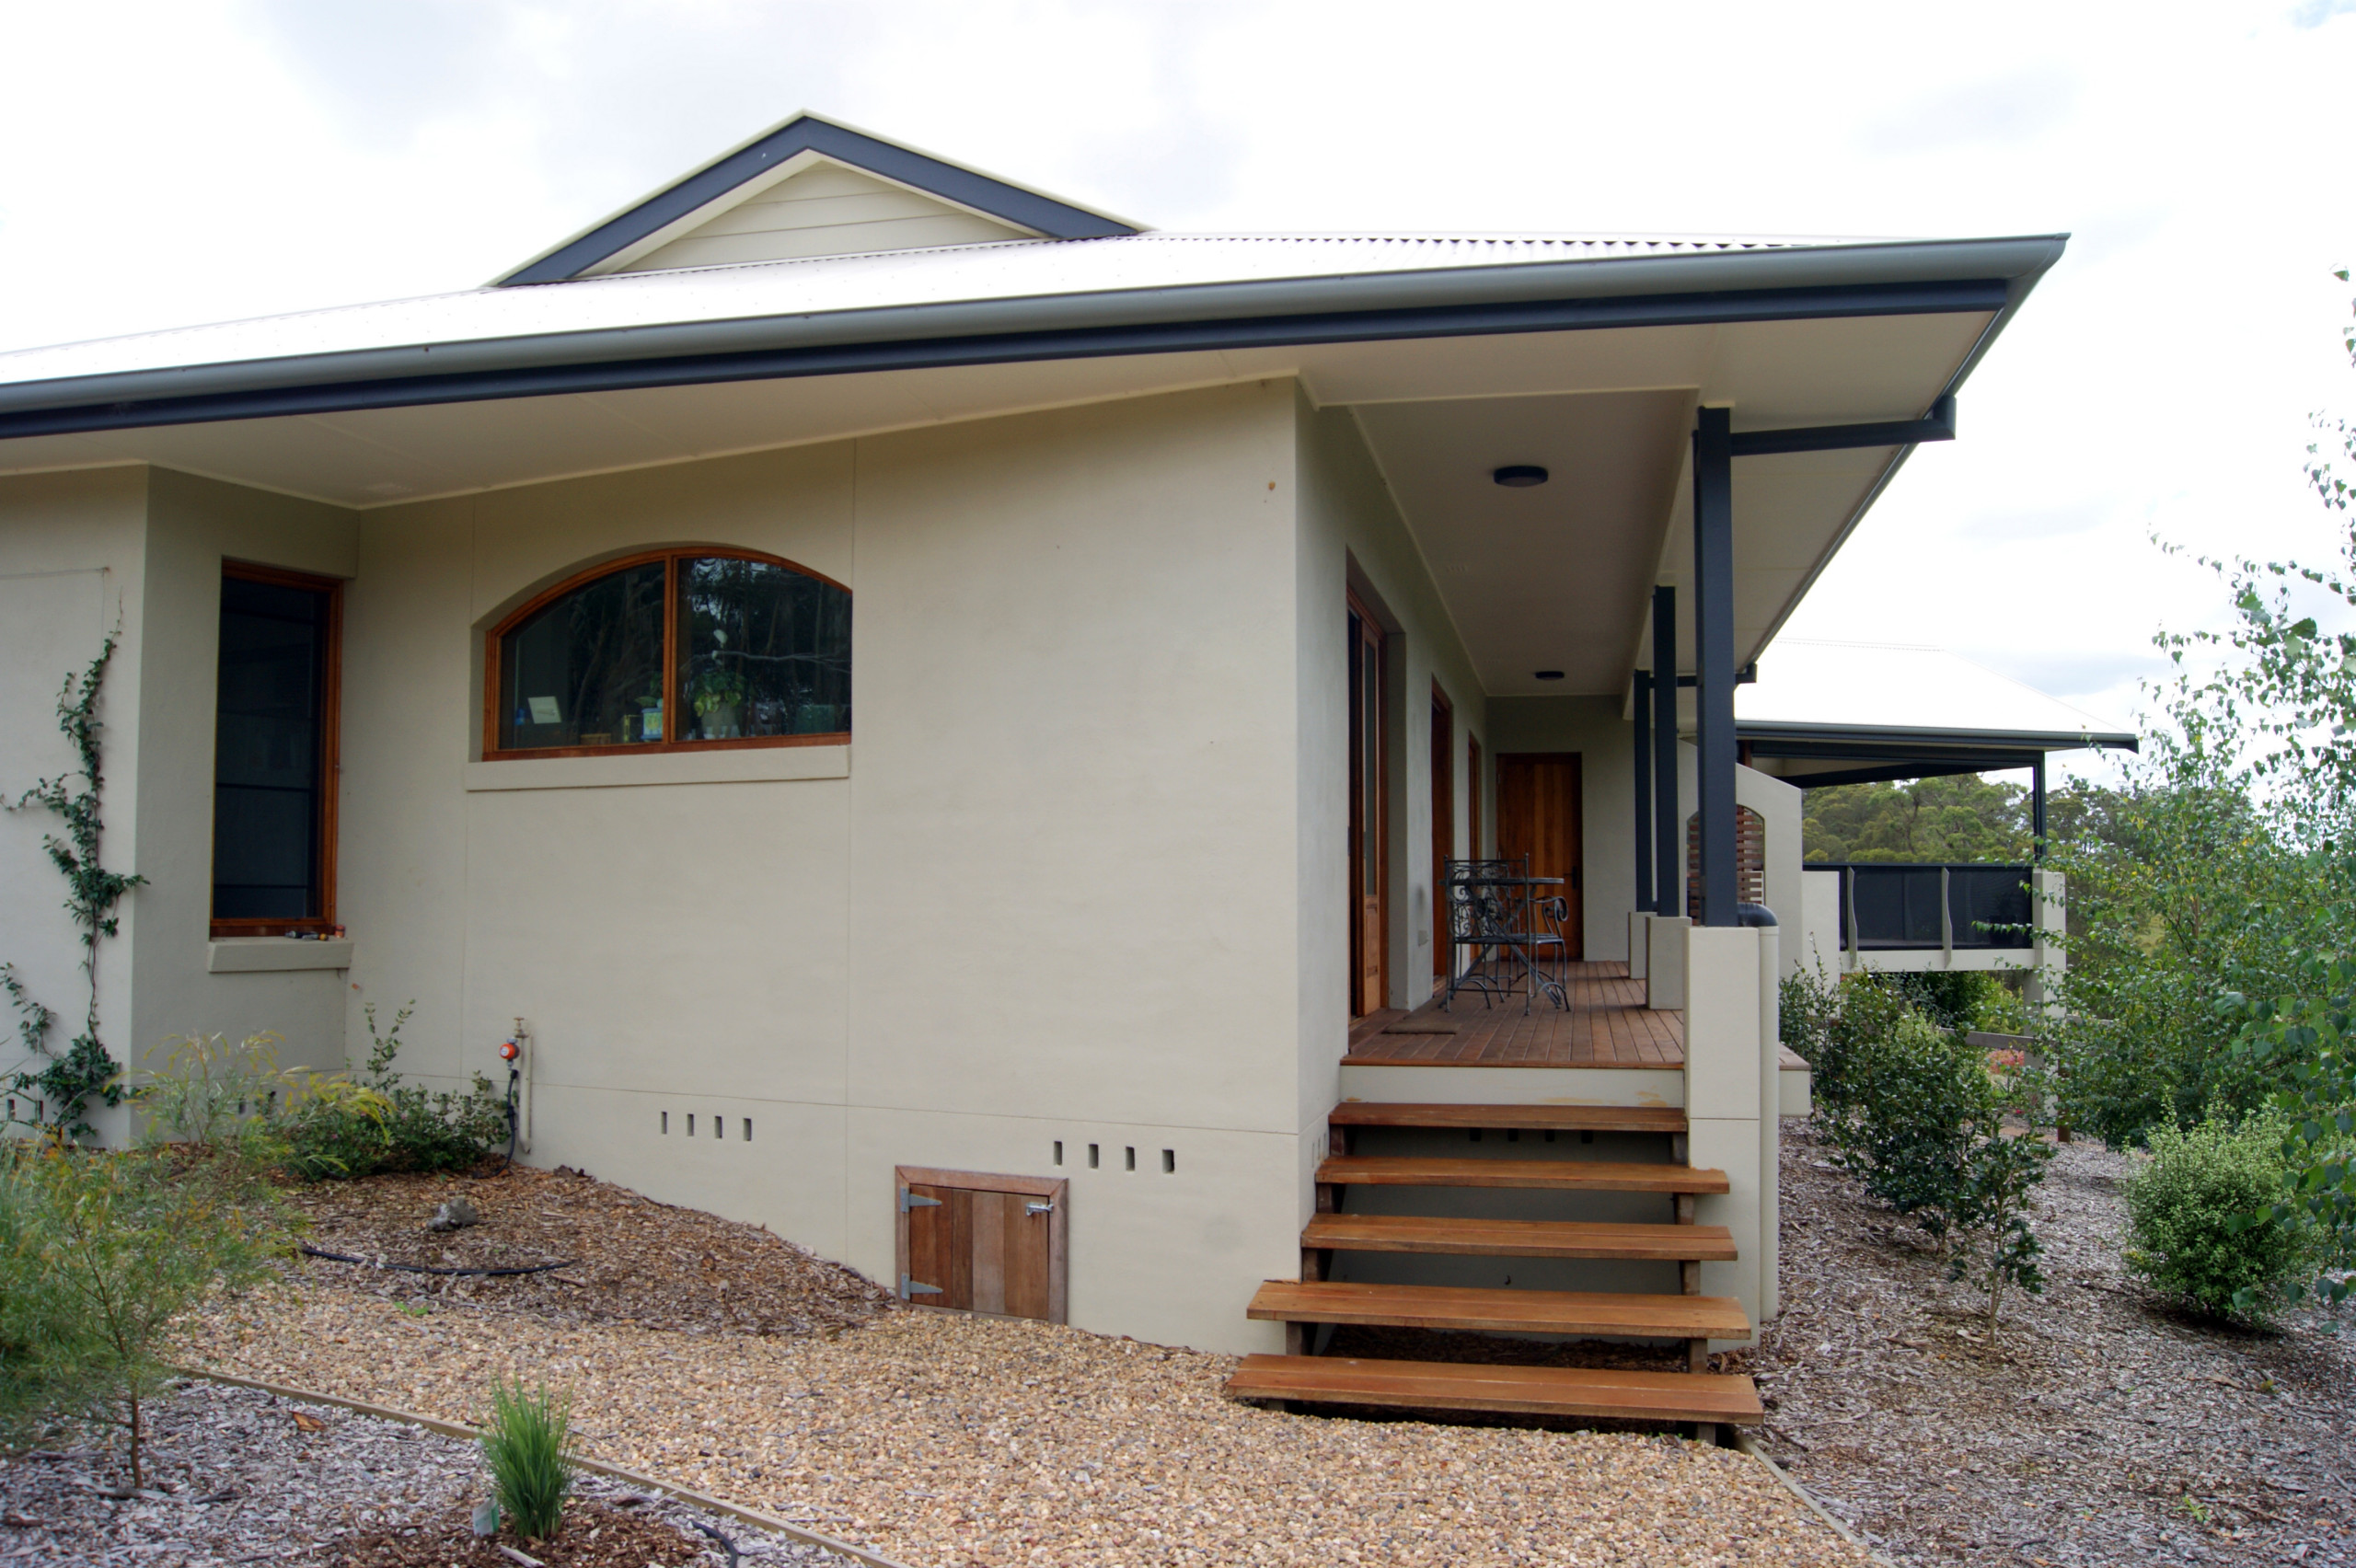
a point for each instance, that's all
(586, 670)
(268, 753)
(763, 650)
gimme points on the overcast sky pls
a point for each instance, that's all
(208, 159)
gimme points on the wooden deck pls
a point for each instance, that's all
(1607, 1025)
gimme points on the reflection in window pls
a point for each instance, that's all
(587, 669)
(692, 647)
(271, 749)
(763, 650)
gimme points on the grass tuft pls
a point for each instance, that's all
(527, 1442)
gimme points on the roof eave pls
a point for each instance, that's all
(1880, 278)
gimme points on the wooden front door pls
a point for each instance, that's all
(1537, 815)
(980, 1244)
(1370, 819)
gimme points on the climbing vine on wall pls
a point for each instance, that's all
(66, 1083)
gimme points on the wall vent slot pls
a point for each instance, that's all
(1091, 1157)
(1059, 1147)
(1130, 1160)
(691, 1123)
(666, 1124)
(748, 1129)
(1169, 1163)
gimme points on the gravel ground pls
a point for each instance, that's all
(2101, 1427)
(635, 1260)
(951, 1441)
(238, 1476)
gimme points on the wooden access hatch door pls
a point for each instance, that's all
(1539, 816)
(975, 1243)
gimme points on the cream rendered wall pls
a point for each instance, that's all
(1351, 528)
(1073, 838)
(72, 569)
(1591, 726)
(670, 946)
(194, 524)
(1046, 896)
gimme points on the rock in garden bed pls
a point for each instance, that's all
(2098, 1427)
(631, 1260)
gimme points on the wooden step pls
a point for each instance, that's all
(1587, 1393)
(1524, 1118)
(1502, 1311)
(1560, 1175)
(1518, 1238)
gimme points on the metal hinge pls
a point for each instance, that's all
(1047, 1208)
(909, 1286)
(910, 1201)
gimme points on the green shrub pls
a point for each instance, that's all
(102, 1251)
(1829, 1023)
(2200, 1222)
(393, 1125)
(527, 1443)
(1922, 1125)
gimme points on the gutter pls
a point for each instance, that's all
(1688, 290)
(2012, 740)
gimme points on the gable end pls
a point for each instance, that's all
(602, 247)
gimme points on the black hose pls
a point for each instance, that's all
(311, 1251)
(726, 1545)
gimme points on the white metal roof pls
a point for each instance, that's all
(828, 285)
(1907, 688)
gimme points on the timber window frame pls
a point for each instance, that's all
(673, 706)
(328, 716)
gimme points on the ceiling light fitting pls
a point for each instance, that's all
(1520, 476)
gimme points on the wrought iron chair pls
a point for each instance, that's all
(1503, 934)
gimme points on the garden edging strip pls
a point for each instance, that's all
(697, 1499)
(1749, 1445)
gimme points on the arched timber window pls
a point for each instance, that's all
(676, 650)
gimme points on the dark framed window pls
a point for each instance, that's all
(274, 751)
(686, 650)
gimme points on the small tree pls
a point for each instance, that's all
(112, 1247)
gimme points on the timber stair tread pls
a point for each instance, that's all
(1518, 1238)
(1480, 1309)
(1524, 1118)
(1576, 1391)
(1559, 1175)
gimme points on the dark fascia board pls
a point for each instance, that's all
(1101, 324)
(1925, 741)
(808, 133)
(1896, 773)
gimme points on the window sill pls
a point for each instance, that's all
(734, 765)
(252, 955)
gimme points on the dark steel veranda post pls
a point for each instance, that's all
(1668, 836)
(1643, 704)
(2037, 807)
(1714, 659)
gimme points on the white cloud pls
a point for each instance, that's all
(200, 159)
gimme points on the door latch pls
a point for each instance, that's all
(1037, 1207)
(909, 1287)
(911, 1201)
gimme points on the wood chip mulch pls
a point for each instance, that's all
(634, 1261)
(2100, 1427)
(952, 1442)
(595, 1535)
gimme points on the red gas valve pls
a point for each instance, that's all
(509, 1050)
